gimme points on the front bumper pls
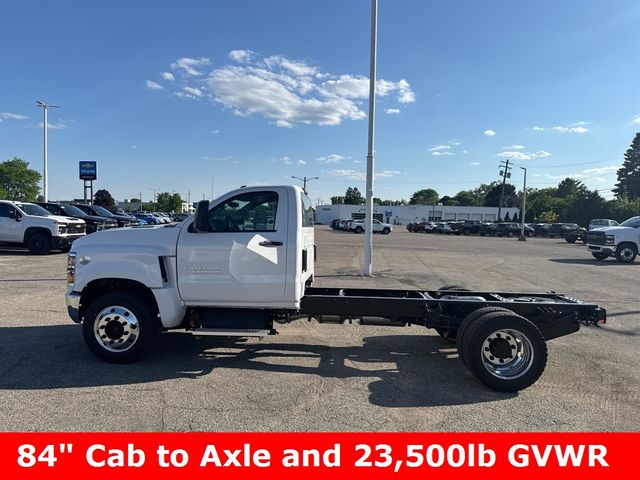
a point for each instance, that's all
(609, 250)
(64, 241)
(73, 306)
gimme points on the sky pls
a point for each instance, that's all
(200, 97)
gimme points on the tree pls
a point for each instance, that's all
(448, 201)
(337, 200)
(169, 202)
(628, 185)
(570, 187)
(18, 181)
(492, 197)
(427, 196)
(353, 197)
(467, 198)
(104, 199)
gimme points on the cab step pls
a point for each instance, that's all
(231, 332)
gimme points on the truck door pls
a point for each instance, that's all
(10, 228)
(242, 260)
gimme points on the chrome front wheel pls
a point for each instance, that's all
(116, 328)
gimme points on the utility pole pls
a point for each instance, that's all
(522, 236)
(154, 190)
(45, 178)
(505, 174)
(304, 181)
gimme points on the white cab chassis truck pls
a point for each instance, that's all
(246, 262)
(622, 241)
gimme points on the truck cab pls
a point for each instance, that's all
(250, 249)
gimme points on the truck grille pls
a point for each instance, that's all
(596, 238)
(75, 228)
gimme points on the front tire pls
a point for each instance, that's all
(118, 327)
(571, 238)
(39, 244)
(626, 253)
(358, 230)
(386, 231)
(600, 255)
(505, 351)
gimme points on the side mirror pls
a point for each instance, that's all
(201, 224)
(15, 215)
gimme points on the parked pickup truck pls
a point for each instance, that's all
(247, 262)
(622, 241)
(357, 226)
(30, 225)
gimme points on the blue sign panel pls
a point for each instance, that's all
(88, 170)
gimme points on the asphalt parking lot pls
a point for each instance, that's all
(314, 377)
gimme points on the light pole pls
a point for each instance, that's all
(45, 178)
(304, 181)
(154, 190)
(522, 236)
(368, 239)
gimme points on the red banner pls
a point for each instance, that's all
(283, 456)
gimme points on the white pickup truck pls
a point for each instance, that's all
(247, 262)
(30, 225)
(622, 241)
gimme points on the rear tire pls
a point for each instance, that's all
(470, 319)
(505, 351)
(386, 231)
(358, 230)
(571, 238)
(39, 244)
(626, 253)
(118, 327)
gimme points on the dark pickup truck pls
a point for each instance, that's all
(569, 231)
(473, 227)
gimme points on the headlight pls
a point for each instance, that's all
(71, 268)
(610, 240)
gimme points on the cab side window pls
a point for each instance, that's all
(247, 212)
(5, 208)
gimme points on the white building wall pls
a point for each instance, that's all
(404, 214)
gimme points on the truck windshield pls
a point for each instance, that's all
(103, 212)
(72, 211)
(31, 209)
(633, 222)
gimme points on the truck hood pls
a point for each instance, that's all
(614, 230)
(157, 241)
(61, 219)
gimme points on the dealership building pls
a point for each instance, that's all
(404, 214)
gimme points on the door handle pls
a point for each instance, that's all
(270, 244)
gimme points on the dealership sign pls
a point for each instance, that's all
(88, 170)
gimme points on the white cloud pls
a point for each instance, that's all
(474, 164)
(578, 127)
(53, 126)
(636, 119)
(489, 133)
(570, 129)
(603, 170)
(333, 158)
(519, 155)
(241, 56)
(357, 175)
(12, 116)
(154, 86)
(514, 147)
(168, 76)
(301, 162)
(438, 148)
(134, 147)
(440, 153)
(190, 66)
(287, 92)
(286, 160)
(465, 152)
